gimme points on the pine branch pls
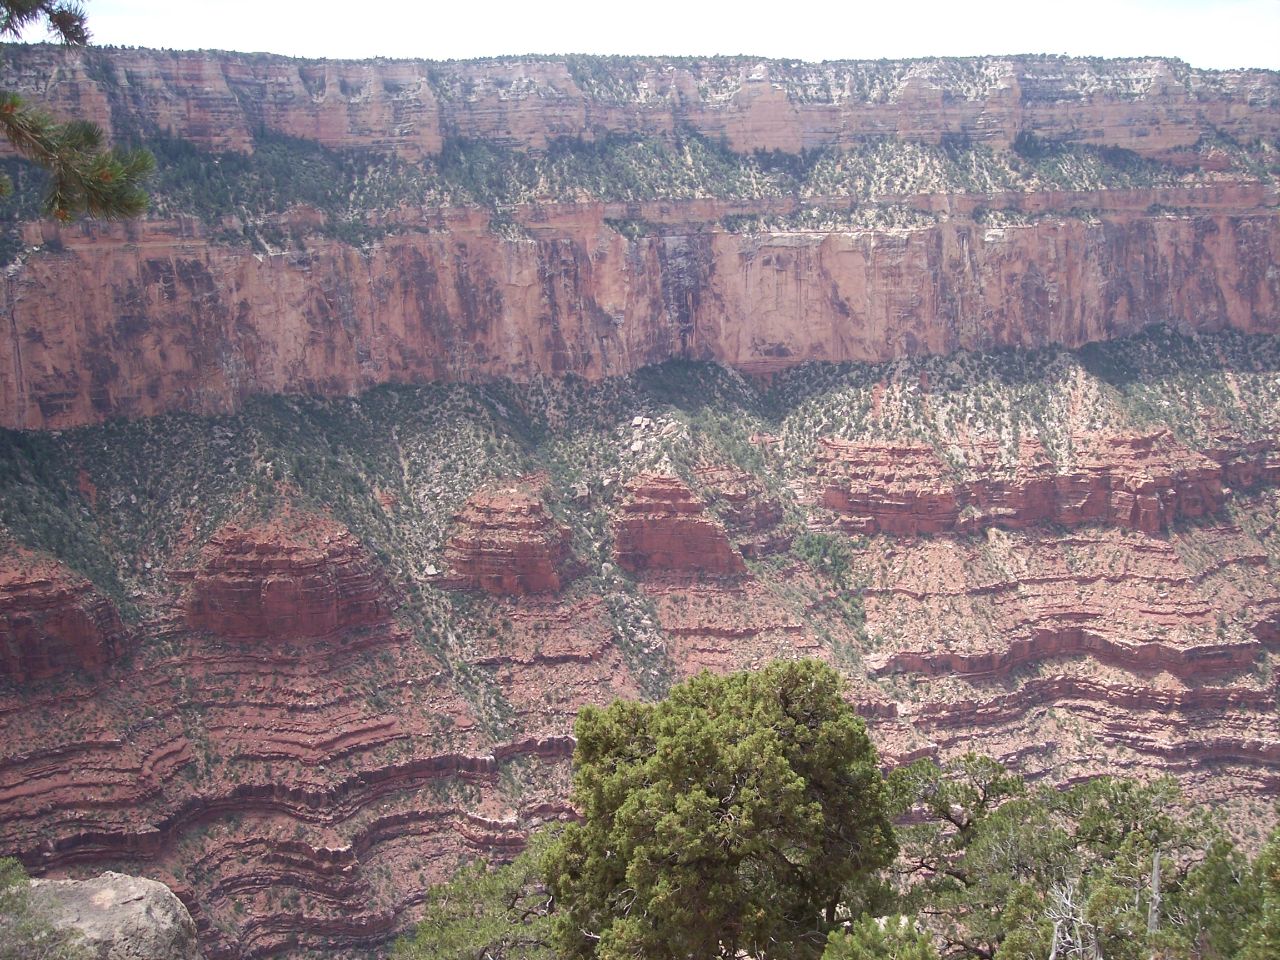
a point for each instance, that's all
(86, 180)
(65, 20)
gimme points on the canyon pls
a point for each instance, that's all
(321, 519)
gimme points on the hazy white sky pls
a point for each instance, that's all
(1208, 33)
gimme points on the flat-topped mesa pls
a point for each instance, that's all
(751, 516)
(52, 621)
(507, 544)
(1138, 481)
(291, 578)
(664, 528)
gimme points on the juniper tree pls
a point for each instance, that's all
(739, 814)
(84, 178)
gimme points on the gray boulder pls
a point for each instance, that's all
(120, 917)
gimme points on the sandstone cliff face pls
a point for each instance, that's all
(664, 528)
(52, 621)
(507, 544)
(301, 577)
(165, 315)
(139, 319)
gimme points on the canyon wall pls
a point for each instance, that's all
(299, 647)
(335, 648)
(133, 320)
(177, 314)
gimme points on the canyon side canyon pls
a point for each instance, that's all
(434, 401)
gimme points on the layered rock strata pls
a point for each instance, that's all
(302, 742)
(664, 528)
(302, 577)
(603, 285)
(751, 516)
(295, 765)
(506, 543)
(1140, 482)
(300, 776)
(218, 100)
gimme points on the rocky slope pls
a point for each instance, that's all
(393, 222)
(353, 634)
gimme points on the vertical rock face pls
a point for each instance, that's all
(664, 528)
(52, 622)
(102, 328)
(506, 543)
(120, 917)
(295, 578)
(603, 276)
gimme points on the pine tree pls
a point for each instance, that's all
(85, 178)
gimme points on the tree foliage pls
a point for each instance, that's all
(1260, 939)
(496, 913)
(1109, 868)
(84, 178)
(880, 938)
(736, 815)
(64, 20)
(744, 816)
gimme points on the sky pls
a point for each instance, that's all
(1206, 33)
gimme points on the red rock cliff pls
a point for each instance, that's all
(148, 317)
(219, 99)
(52, 621)
(108, 328)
